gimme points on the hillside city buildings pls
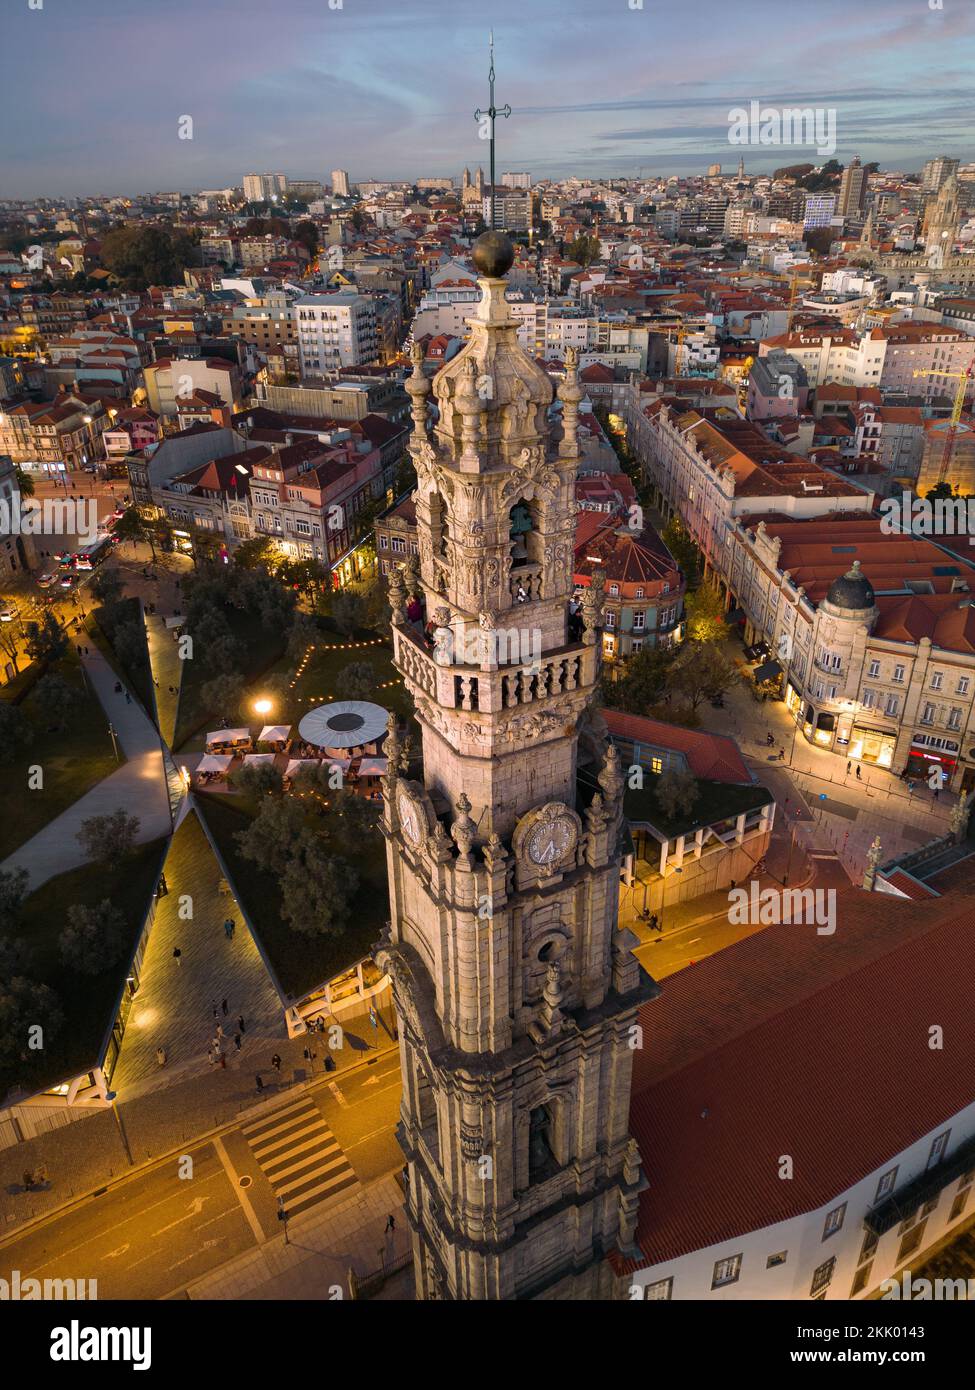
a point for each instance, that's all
(637, 396)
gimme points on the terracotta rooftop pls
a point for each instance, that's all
(626, 558)
(713, 757)
(792, 1042)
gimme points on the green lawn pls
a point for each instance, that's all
(717, 801)
(88, 1002)
(300, 962)
(262, 648)
(72, 761)
(315, 684)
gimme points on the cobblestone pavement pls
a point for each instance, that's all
(139, 786)
(174, 1008)
(847, 812)
(167, 671)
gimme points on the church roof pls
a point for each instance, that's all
(787, 1042)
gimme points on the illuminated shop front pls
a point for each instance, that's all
(869, 745)
(928, 753)
(819, 728)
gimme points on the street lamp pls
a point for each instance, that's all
(263, 706)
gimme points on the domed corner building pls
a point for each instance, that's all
(832, 717)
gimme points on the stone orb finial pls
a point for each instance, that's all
(493, 254)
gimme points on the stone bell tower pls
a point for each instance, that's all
(515, 990)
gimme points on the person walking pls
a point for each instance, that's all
(219, 1030)
(259, 1082)
(240, 1023)
(216, 1009)
(390, 1224)
(237, 1041)
(161, 1056)
(276, 1062)
(859, 778)
(28, 1180)
(177, 955)
(781, 755)
(849, 764)
(224, 1008)
(128, 698)
(223, 1061)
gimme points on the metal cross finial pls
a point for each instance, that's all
(491, 112)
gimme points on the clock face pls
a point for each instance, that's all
(409, 818)
(549, 842)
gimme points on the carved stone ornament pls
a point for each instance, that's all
(397, 595)
(463, 829)
(471, 1143)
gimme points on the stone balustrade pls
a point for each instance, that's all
(555, 673)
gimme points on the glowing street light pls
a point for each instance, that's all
(262, 706)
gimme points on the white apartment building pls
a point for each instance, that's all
(262, 188)
(171, 380)
(885, 357)
(340, 183)
(335, 330)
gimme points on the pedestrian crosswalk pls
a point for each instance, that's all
(299, 1155)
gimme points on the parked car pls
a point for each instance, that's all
(47, 579)
(8, 612)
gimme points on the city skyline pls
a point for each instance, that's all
(379, 69)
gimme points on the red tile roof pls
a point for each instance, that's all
(714, 757)
(792, 1042)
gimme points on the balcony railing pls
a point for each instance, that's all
(458, 686)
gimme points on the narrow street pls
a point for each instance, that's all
(150, 1234)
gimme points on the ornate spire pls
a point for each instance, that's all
(418, 386)
(570, 394)
(611, 777)
(492, 397)
(592, 606)
(463, 829)
(397, 595)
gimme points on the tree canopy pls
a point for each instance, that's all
(143, 256)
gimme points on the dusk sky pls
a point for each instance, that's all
(94, 89)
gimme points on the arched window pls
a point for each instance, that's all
(541, 1154)
(522, 530)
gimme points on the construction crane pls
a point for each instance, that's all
(964, 380)
(679, 354)
(794, 279)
